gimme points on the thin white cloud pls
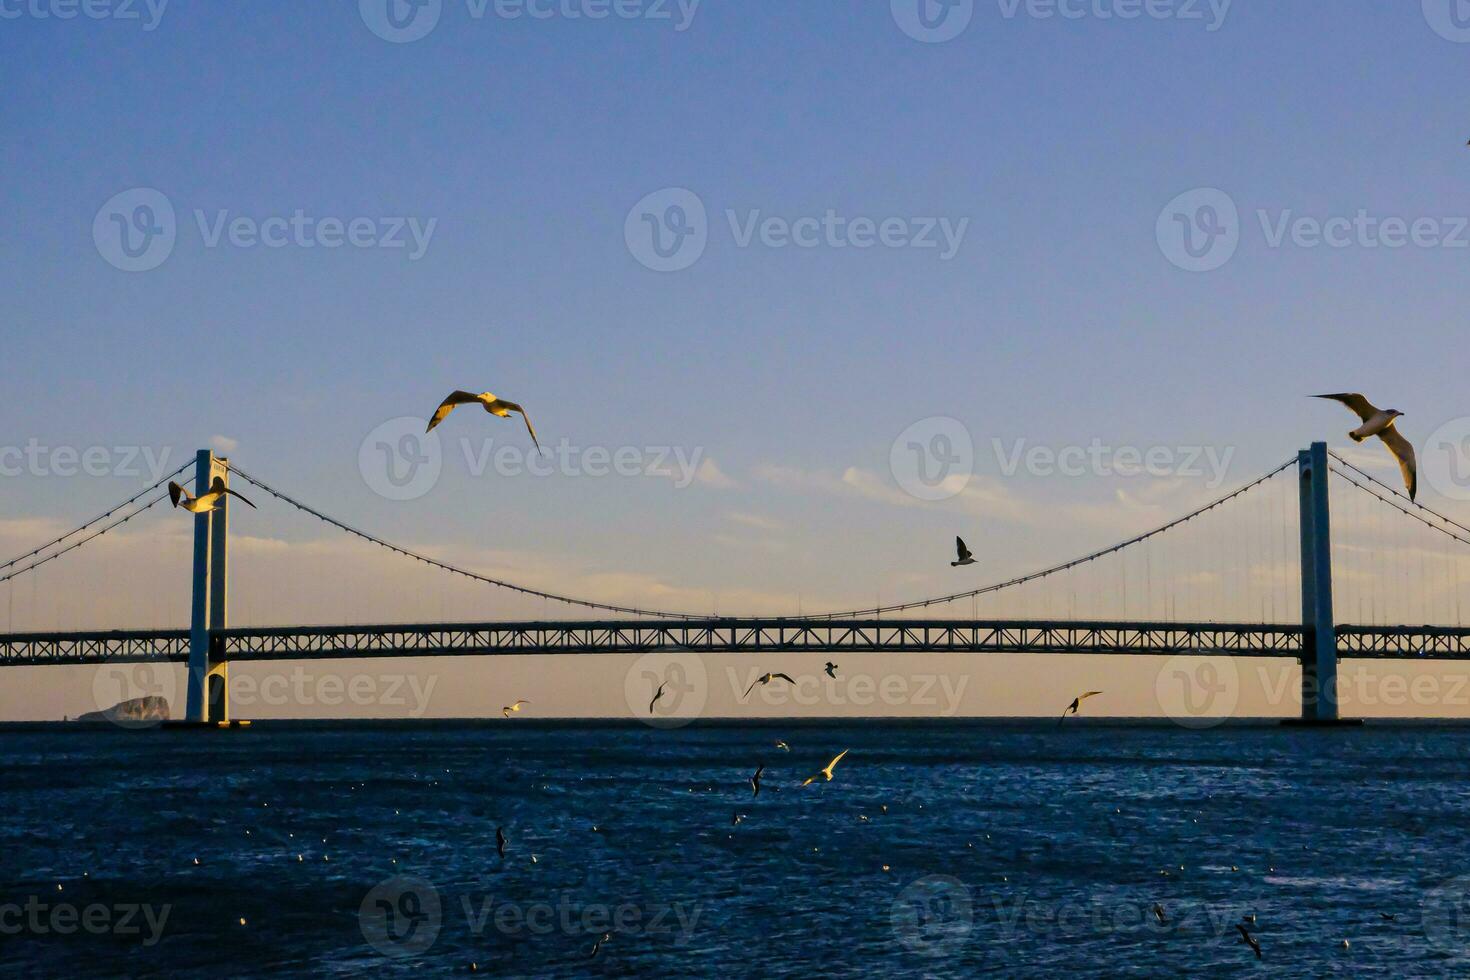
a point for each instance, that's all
(709, 474)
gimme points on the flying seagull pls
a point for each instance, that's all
(782, 746)
(1380, 423)
(606, 936)
(766, 679)
(755, 781)
(658, 694)
(507, 709)
(962, 554)
(495, 406)
(500, 841)
(1249, 940)
(205, 502)
(828, 771)
(831, 669)
(1076, 704)
(1159, 914)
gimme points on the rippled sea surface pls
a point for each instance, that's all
(1013, 849)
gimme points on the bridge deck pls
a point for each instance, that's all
(735, 636)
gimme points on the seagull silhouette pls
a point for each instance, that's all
(831, 669)
(205, 502)
(1159, 913)
(1249, 940)
(1076, 704)
(962, 554)
(507, 709)
(766, 679)
(658, 694)
(606, 936)
(827, 772)
(782, 746)
(1381, 423)
(498, 407)
(500, 841)
(755, 781)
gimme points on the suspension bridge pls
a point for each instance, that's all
(1292, 564)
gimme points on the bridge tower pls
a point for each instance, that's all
(1319, 631)
(209, 673)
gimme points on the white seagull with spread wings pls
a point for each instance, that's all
(1380, 422)
(495, 406)
(205, 502)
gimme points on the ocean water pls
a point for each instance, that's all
(1014, 849)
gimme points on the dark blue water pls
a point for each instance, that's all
(1020, 850)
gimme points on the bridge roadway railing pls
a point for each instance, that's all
(734, 636)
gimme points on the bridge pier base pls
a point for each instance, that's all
(1319, 631)
(209, 673)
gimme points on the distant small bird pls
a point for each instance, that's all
(782, 746)
(1159, 914)
(827, 772)
(507, 709)
(962, 554)
(1249, 940)
(495, 406)
(766, 679)
(755, 781)
(606, 936)
(738, 817)
(657, 694)
(1346, 944)
(831, 669)
(1076, 704)
(1380, 422)
(500, 841)
(205, 502)
(1387, 916)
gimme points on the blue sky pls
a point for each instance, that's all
(1060, 320)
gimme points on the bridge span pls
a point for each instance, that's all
(732, 636)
